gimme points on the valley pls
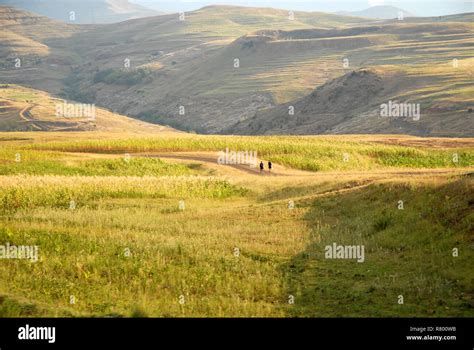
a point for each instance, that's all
(162, 65)
(233, 161)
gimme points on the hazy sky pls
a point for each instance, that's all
(418, 7)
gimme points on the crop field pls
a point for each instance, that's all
(154, 226)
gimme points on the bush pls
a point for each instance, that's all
(123, 77)
(382, 223)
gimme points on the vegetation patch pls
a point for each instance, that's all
(124, 76)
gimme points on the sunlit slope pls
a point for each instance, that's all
(25, 109)
(25, 33)
(27, 55)
(212, 82)
(209, 25)
(164, 43)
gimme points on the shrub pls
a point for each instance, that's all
(123, 77)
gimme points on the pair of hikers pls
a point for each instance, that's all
(270, 165)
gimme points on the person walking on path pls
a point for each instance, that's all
(270, 166)
(261, 166)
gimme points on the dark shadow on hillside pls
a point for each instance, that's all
(407, 253)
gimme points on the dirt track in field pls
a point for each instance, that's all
(209, 159)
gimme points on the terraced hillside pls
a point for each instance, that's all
(24, 35)
(278, 66)
(352, 104)
(212, 70)
(174, 50)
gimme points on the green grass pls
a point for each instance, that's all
(191, 253)
(178, 253)
(316, 154)
(407, 252)
(26, 192)
(55, 163)
(123, 76)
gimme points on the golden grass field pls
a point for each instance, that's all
(126, 249)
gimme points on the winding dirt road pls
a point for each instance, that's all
(39, 125)
(26, 116)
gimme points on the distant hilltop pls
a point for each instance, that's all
(84, 11)
(379, 12)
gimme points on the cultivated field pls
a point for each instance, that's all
(154, 226)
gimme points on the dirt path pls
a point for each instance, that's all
(210, 159)
(207, 158)
(26, 116)
(282, 177)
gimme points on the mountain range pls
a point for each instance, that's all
(84, 11)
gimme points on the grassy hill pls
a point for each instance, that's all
(351, 104)
(278, 66)
(25, 33)
(27, 56)
(25, 109)
(173, 49)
